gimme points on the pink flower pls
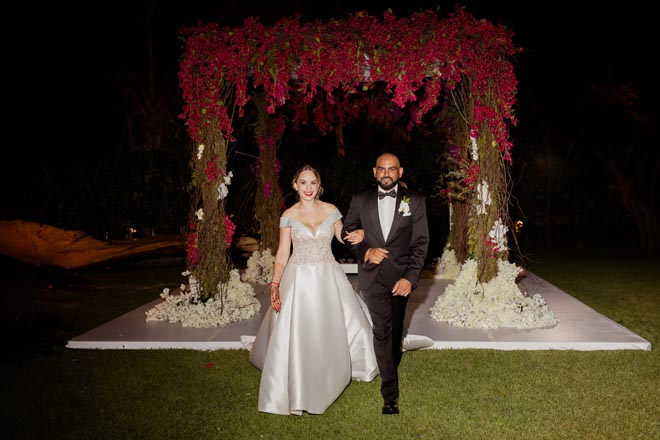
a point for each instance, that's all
(193, 250)
(230, 228)
(212, 171)
(471, 176)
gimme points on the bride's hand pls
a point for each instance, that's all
(275, 297)
(355, 237)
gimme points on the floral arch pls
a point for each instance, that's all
(313, 67)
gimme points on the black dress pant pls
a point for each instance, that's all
(387, 314)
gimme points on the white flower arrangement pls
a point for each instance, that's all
(239, 303)
(259, 267)
(483, 197)
(404, 206)
(497, 303)
(200, 151)
(447, 267)
(200, 214)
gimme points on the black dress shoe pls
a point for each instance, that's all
(391, 407)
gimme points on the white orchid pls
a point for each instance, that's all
(483, 197)
(498, 235)
(200, 151)
(474, 149)
(223, 189)
(366, 68)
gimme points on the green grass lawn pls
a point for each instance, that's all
(53, 392)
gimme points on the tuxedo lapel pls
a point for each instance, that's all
(372, 208)
(397, 216)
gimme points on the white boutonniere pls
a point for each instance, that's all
(404, 206)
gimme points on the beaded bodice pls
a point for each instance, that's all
(311, 247)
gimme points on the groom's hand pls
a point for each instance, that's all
(403, 287)
(375, 255)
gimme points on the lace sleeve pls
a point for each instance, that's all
(285, 222)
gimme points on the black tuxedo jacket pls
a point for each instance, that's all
(407, 242)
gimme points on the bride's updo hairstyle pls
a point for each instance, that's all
(316, 174)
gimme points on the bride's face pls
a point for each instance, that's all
(307, 185)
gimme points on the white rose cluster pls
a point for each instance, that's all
(497, 303)
(239, 303)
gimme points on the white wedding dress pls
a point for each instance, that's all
(321, 338)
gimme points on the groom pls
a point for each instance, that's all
(390, 259)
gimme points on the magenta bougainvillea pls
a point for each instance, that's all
(230, 228)
(324, 64)
(212, 171)
(330, 73)
(191, 246)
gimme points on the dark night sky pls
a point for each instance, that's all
(61, 63)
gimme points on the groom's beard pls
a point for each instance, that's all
(387, 183)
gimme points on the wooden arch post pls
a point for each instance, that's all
(268, 200)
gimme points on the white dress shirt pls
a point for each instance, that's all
(386, 207)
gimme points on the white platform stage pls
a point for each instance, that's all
(580, 327)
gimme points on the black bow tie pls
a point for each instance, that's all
(382, 194)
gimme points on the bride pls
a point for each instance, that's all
(316, 337)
